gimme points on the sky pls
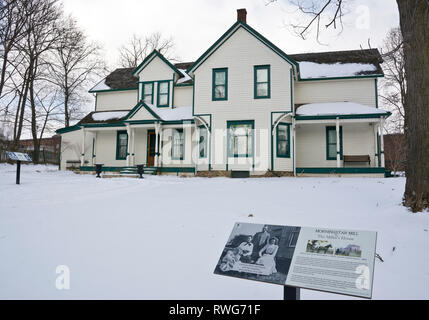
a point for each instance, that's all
(196, 24)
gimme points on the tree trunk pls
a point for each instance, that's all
(414, 21)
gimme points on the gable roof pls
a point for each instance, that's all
(149, 58)
(164, 115)
(228, 34)
(365, 62)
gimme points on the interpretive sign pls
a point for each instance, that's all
(331, 260)
(17, 156)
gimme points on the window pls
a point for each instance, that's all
(163, 93)
(240, 138)
(293, 238)
(262, 86)
(203, 145)
(147, 89)
(121, 145)
(283, 140)
(178, 145)
(331, 143)
(220, 84)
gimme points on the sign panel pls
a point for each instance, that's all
(332, 260)
(17, 156)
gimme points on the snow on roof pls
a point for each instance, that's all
(175, 114)
(185, 78)
(325, 70)
(109, 115)
(101, 86)
(336, 108)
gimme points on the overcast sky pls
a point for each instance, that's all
(196, 24)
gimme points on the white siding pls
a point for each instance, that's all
(167, 161)
(71, 148)
(116, 100)
(105, 149)
(358, 139)
(240, 54)
(183, 96)
(353, 90)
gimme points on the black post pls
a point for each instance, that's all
(18, 171)
(291, 293)
(98, 170)
(140, 170)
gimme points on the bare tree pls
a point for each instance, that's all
(394, 85)
(12, 22)
(73, 64)
(42, 31)
(138, 48)
(414, 24)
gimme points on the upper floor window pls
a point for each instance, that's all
(147, 89)
(262, 85)
(220, 84)
(331, 143)
(163, 93)
(121, 145)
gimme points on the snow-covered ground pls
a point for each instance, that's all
(161, 237)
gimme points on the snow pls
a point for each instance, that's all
(109, 115)
(175, 114)
(324, 70)
(161, 237)
(185, 78)
(336, 108)
(101, 86)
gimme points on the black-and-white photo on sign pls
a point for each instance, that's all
(259, 252)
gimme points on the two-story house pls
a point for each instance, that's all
(243, 105)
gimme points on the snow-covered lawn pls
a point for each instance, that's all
(160, 238)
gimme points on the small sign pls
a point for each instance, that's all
(17, 156)
(331, 260)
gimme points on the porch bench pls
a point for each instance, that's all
(357, 158)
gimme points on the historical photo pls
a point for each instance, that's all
(351, 250)
(319, 246)
(259, 252)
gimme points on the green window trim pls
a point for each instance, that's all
(286, 153)
(143, 95)
(118, 150)
(256, 82)
(175, 134)
(205, 147)
(159, 94)
(214, 85)
(328, 129)
(250, 123)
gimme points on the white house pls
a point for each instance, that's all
(244, 106)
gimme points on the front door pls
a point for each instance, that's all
(151, 141)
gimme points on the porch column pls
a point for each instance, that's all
(197, 146)
(82, 155)
(382, 142)
(157, 127)
(338, 143)
(161, 145)
(376, 144)
(133, 147)
(128, 145)
(294, 147)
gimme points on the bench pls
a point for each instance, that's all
(353, 159)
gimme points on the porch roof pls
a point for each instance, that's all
(342, 110)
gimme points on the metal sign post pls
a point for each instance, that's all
(18, 157)
(291, 293)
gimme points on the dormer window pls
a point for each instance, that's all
(262, 86)
(220, 84)
(163, 93)
(147, 89)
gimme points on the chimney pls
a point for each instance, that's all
(241, 15)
